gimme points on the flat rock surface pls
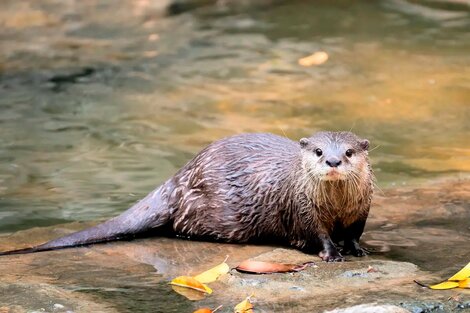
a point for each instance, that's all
(414, 233)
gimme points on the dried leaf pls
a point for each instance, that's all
(207, 310)
(317, 58)
(464, 283)
(203, 310)
(445, 285)
(211, 275)
(190, 282)
(464, 273)
(188, 293)
(461, 279)
(259, 267)
(244, 307)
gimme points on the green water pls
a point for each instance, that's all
(101, 102)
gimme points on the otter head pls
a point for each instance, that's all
(335, 156)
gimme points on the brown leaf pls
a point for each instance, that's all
(203, 310)
(259, 267)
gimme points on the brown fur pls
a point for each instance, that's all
(256, 187)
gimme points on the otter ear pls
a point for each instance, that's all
(364, 144)
(303, 142)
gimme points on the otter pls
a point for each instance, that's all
(246, 188)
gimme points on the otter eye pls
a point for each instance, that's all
(349, 153)
(318, 152)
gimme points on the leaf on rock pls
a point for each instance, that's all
(461, 280)
(445, 285)
(463, 274)
(211, 275)
(192, 283)
(203, 310)
(244, 307)
(207, 310)
(259, 267)
(464, 283)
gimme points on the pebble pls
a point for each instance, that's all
(58, 306)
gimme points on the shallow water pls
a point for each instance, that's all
(101, 102)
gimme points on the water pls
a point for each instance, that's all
(101, 102)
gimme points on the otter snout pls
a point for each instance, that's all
(333, 162)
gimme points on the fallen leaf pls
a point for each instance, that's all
(244, 307)
(464, 283)
(317, 58)
(464, 273)
(188, 293)
(461, 279)
(207, 310)
(190, 282)
(211, 275)
(203, 310)
(445, 285)
(259, 267)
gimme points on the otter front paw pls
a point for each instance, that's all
(331, 255)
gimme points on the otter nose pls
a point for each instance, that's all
(333, 162)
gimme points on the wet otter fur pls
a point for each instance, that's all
(252, 188)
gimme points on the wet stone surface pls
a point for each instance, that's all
(133, 276)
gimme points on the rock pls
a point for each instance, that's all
(133, 276)
(57, 306)
(371, 308)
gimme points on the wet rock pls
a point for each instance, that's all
(371, 308)
(133, 276)
(464, 305)
(425, 307)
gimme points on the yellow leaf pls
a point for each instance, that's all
(190, 282)
(317, 58)
(445, 285)
(188, 293)
(244, 307)
(207, 310)
(462, 274)
(464, 283)
(211, 275)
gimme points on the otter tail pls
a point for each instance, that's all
(146, 215)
